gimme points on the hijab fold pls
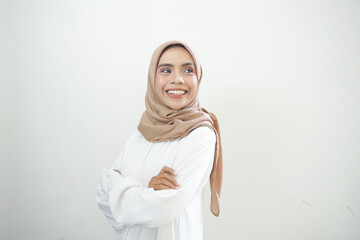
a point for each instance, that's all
(160, 123)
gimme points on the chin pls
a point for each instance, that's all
(176, 107)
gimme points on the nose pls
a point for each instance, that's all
(178, 79)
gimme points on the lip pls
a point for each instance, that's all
(176, 89)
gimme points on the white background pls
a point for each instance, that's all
(282, 76)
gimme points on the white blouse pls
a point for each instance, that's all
(136, 211)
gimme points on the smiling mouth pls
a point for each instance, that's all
(176, 93)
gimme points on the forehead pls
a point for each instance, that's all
(175, 55)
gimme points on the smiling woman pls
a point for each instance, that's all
(154, 189)
(176, 81)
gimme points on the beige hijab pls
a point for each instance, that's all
(160, 123)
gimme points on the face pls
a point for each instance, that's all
(176, 82)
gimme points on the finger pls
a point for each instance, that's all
(167, 169)
(164, 182)
(171, 179)
(155, 181)
(158, 187)
(167, 183)
(162, 187)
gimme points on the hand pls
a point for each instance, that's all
(164, 180)
(117, 171)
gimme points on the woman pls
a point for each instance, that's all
(154, 189)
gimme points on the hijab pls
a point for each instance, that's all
(159, 123)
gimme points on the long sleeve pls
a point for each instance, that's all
(130, 203)
(102, 193)
(102, 199)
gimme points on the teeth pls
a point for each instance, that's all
(176, 92)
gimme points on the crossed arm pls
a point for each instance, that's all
(164, 180)
(125, 202)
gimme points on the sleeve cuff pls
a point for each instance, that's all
(108, 180)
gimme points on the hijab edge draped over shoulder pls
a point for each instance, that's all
(160, 123)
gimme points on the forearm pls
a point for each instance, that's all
(132, 203)
(104, 206)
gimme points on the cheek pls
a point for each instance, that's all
(159, 83)
(193, 84)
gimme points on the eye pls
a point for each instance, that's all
(165, 70)
(188, 70)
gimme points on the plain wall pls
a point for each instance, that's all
(282, 76)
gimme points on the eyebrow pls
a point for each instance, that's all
(171, 65)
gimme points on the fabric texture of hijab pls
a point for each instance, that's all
(159, 123)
